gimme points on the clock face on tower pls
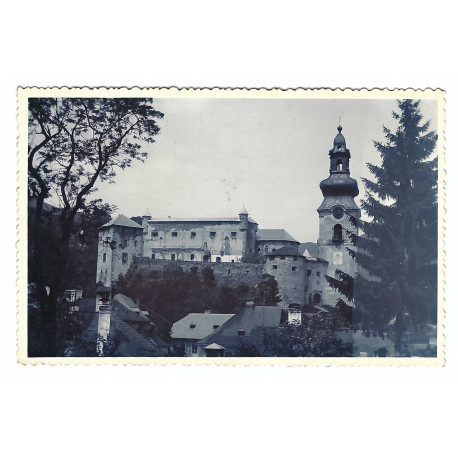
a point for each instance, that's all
(337, 212)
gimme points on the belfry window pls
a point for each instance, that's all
(339, 164)
(337, 235)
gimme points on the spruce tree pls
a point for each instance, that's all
(396, 246)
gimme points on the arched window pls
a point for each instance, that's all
(339, 165)
(317, 298)
(337, 235)
(218, 259)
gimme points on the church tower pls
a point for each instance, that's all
(339, 191)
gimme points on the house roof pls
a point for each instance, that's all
(251, 319)
(204, 325)
(309, 249)
(285, 251)
(214, 346)
(274, 235)
(132, 343)
(122, 220)
(130, 310)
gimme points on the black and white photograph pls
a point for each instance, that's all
(233, 224)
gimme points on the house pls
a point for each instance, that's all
(246, 326)
(269, 240)
(194, 327)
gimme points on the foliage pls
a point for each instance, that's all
(75, 143)
(247, 349)
(170, 294)
(315, 337)
(267, 291)
(397, 248)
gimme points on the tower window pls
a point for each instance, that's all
(153, 256)
(275, 267)
(193, 234)
(174, 234)
(337, 234)
(212, 235)
(309, 273)
(104, 257)
(234, 235)
(192, 257)
(339, 164)
(154, 234)
(294, 268)
(173, 257)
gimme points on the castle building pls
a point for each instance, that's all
(200, 239)
(338, 206)
(299, 269)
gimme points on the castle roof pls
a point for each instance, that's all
(122, 220)
(309, 250)
(274, 235)
(198, 325)
(285, 251)
(198, 220)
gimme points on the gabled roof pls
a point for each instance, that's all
(285, 251)
(251, 319)
(129, 310)
(122, 220)
(274, 235)
(204, 325)
(309, 250)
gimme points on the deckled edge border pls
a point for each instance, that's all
(21, 245)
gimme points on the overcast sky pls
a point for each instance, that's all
(214, 155)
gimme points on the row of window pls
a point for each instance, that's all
(194, 234)
(293, 269)
(282, 258)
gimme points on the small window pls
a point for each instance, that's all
(126, 242)
(104, 257)
(218, 259)
(234, 235)
(294, 268)
(173, 257)
(174, 234)
(215, 326)
(125, 258)
(194, 348)
(275, 267)
(212, 235)
(153, 255)
(247, 271)
(241, 332)
(192, 257)
(135, 244)
(318, 274)
(192, 325)
(193, 234)
(154, 234)
(309, 273)
(266, 248)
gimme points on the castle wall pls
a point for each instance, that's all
(290, 273)
(226, 274)
(315, 281)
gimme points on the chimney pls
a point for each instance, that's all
(208, 311)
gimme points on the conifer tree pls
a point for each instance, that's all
(396, 248)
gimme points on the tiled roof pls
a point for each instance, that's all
(274, 235)
(122, 220)
(309, 250)
(285, 251)
(130, 310)
(204, 325)
(251, 319)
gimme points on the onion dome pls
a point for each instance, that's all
(339, 142)
(339, 185)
